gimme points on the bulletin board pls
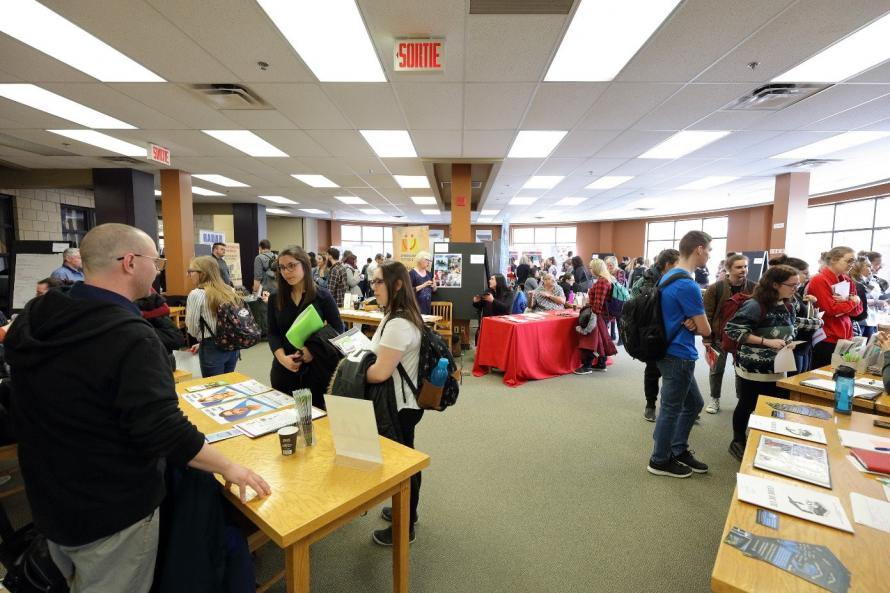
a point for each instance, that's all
(33, 261)
(757, 263)
(463, 270)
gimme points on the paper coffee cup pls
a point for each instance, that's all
(287, 436)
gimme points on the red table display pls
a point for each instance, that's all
(533, 349)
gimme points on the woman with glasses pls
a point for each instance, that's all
(836, 295)
(200, 315)
(762, 326)
(423, 282)
(803, 303)
(292, 367)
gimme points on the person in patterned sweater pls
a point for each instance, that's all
(763, 326)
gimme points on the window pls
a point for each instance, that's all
(863, 225)
(539, 243)
(365, 241)
(76, 222)
(667, 235)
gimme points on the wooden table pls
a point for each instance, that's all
(177, 314)
(374, 318)
(811, 395)
(179, 376)
(311, 495)
(863, 553)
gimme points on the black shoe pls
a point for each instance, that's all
(672, 469)
(689, 460)
(649, 413)
(386, 514)
(583, 371)
(737, 449)
(384, 536)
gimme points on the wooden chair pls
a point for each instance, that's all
(443, 326)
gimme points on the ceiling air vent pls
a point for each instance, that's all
(122, 160)
(520, 6)
(774, 97)
(473, 184)
(229, 96)
(811, 163)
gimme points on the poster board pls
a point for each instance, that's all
(233, 260)
(757, 263)
(408, 241)
(32, 262)
(459, 288)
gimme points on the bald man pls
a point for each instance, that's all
(98, 417)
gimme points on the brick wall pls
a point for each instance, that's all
(37, 211)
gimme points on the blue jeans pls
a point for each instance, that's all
(681, 403)
(214, 360)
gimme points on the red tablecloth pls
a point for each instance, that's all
(531, 350)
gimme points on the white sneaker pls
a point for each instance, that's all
(714, 406)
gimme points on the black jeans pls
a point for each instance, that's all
(588, 356)
(650, 383)
(287, 382)
(747, 391)
(822, 354)
(408, 420)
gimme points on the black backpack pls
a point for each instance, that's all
(432, 348)
(29, 567)
(642, 324)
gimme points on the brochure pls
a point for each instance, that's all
(794, 460)
(828, 385)
(215, 395)
(871, 511)
(351, 341)
(862, 440)
(257, 427)
(797, 430)
(804, 503)
(235, 410)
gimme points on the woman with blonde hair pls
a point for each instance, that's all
(321, 269)
(597, 344)
(200, 315)
(423, 282)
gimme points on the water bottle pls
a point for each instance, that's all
(431, 392)
(843, 389)
(440, 373)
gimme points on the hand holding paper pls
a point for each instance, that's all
(841, 289)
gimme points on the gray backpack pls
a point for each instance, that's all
(270, 269)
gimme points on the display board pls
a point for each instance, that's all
(462, 272)
(757, 263)
(408, 241)
(233, 260)
(32, 262)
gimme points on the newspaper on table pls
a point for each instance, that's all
(794, 460)
(814, 434)
(804, 503)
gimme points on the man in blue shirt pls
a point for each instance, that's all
(681, 402)
(71, 269)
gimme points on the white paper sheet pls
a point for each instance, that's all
(861, 440)
(784, 361)
(477, 258)
(870, 511)
(841, 288)
(886, 491)
(823, 373)
(814, 434)
(440, 248)
(804, 503)
(354, 428)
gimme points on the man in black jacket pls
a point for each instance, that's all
(97, 417)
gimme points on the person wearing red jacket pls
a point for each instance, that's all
(838, 309)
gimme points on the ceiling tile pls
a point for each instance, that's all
(342, 143)
(632, 143)
(820, 106)
(178, 103)
(510, 47)
(584, 143)
(304, 104)
(258, 119)
(496, 106)
(623, 104)
(487, 143)
(293, 142)
(431, 106)
(857, 117)
(692, 103)
(368, 105)
(437, 143)
(559, 105)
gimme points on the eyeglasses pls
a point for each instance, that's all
(160, 262)
(191, 271)
(377, 281)
(794, 286)
(290, 267)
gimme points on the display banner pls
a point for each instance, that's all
(408, 241)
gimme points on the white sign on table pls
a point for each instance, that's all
(354, 430)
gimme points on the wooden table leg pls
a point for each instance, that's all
(401, 517)
(296, 567)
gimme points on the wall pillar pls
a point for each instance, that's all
(126, 196)
(179, 239)
(461, 203)
(788, 231)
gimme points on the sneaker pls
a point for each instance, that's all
(386, 514)
(689, 460)
(737, 449)
(384, 536)
(649, 414)
(672, 469)
(583, 370)
(714, 406)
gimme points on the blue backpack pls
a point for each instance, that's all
(519, 302)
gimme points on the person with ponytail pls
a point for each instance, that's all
(839, 302)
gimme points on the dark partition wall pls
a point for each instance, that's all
(473, 276)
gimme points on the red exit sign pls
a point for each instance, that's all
(159, 154)
(419, 55)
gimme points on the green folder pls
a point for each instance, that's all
(307, 323)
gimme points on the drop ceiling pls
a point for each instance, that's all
(695, 64)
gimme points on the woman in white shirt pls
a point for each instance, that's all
(200, 315)
(397, 341)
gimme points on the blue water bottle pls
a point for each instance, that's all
(440, 373)
(430, 397)
(843, 389)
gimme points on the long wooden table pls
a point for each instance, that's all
(802, 393)
(374, 318)
(863, 553)
(311, 495)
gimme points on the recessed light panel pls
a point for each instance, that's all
(220, 180)
(279, 199)
(423, 200)
(205, 192)
(276, 211)
(102, 141)
(430, 212)
(350, 199)
(535, 143)
(315, 180)
(43, 100)
(489, 212)
(833, 144)
(390, 143)
(412, 181)
(313, 211)
(708, 182)
(683, 143)
(522, 201)
(371, 211)
(247, 142)
(543, 182)
(570, 201)
(609, 181)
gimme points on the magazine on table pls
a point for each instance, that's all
(216, 395)
(797, 501)
(797, 430)
(257, 427)
(235, 410)
(794, 460)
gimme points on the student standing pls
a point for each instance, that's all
(200, 315)
(681, 401)
(219, 252)
(838, 302)
(397, 342)
(802, 301)
(320, 270)
(597, 344)
(423, 282)
(523, 270)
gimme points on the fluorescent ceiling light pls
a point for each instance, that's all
(485, 220)
(412, 181)
(549, 213)
(102, 141)
(157, 192)
(220, 180)
(851, 55)
(833, 144)
(430, 212)
(609, 181)
(489, 212)
(570, 201)
(315, 180)
(543, 181)
(205, 192)
(518, 201)
(350, 199)
(276, 211)
(708, 182)
(611, 31)
(36, 25)
(279, 199)
(423, 200)
(308, 27)
(245, 141)
(535, 144)
(682, 143)
(371, 210)
(41, 99)
(390, 143)
(313, 211)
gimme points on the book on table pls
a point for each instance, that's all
(794, 460)
(874, 461)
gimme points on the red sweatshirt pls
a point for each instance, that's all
(837, 314)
